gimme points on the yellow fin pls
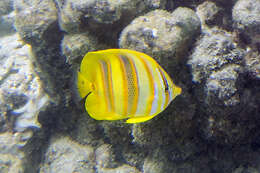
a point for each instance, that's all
(139, 119)
(112, 116)
(97, 109)
(177, 90)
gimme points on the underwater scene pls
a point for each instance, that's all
(129, 86)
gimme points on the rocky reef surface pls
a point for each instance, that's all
(211, 49)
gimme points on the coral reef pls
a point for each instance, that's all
(6, 7)
(161, 34)
(75, 14)
(75, 46)
(217, 68)
(209, 13)
(246, 17)
(252, 62)
(209, 48)
(63, 155)
(21, 99)
(7, 17)
(35, 19)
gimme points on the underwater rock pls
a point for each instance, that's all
(6, 6)
(246, 155)
(246, 14)
(161, 34)
(246, 17)
(157, 162)
(208, 12)
(10, 163)
(150, 134)
(252, 62)
(36, 20)
(105, 157)
(118, 134)
(213, 51)
(22, 97)
(105, 161)
(116, 128)
(242, 169)
(132, 154)
(225, 3)
(87, 131)
(225, 106)
(147, 133)
(121, 169)
(10, 156)
(7, 17)
(65, 155)
(221, 86)
(71, 13)
(110, 11)
(155, 4)
(21, 100)
(75, 46)
(7, 24)
(76, 15)
(210, 63)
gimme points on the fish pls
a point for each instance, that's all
(121, 84)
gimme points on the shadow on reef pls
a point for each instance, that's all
(55, 75)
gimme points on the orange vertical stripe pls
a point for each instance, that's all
(110, 87)
(125, 89)
(104, 85)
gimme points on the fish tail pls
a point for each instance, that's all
(177, 90)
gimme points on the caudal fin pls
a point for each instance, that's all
(177, 90)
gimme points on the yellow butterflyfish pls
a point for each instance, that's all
(124, 84)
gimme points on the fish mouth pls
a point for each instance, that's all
(87, 95)
(84, 98)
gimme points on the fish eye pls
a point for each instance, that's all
(166, 88)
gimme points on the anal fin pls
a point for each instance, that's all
(139, 119)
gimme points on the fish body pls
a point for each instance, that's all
(121, 83)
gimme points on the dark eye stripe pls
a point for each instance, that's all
(165, 83)
(166, 88)
(105, 80)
